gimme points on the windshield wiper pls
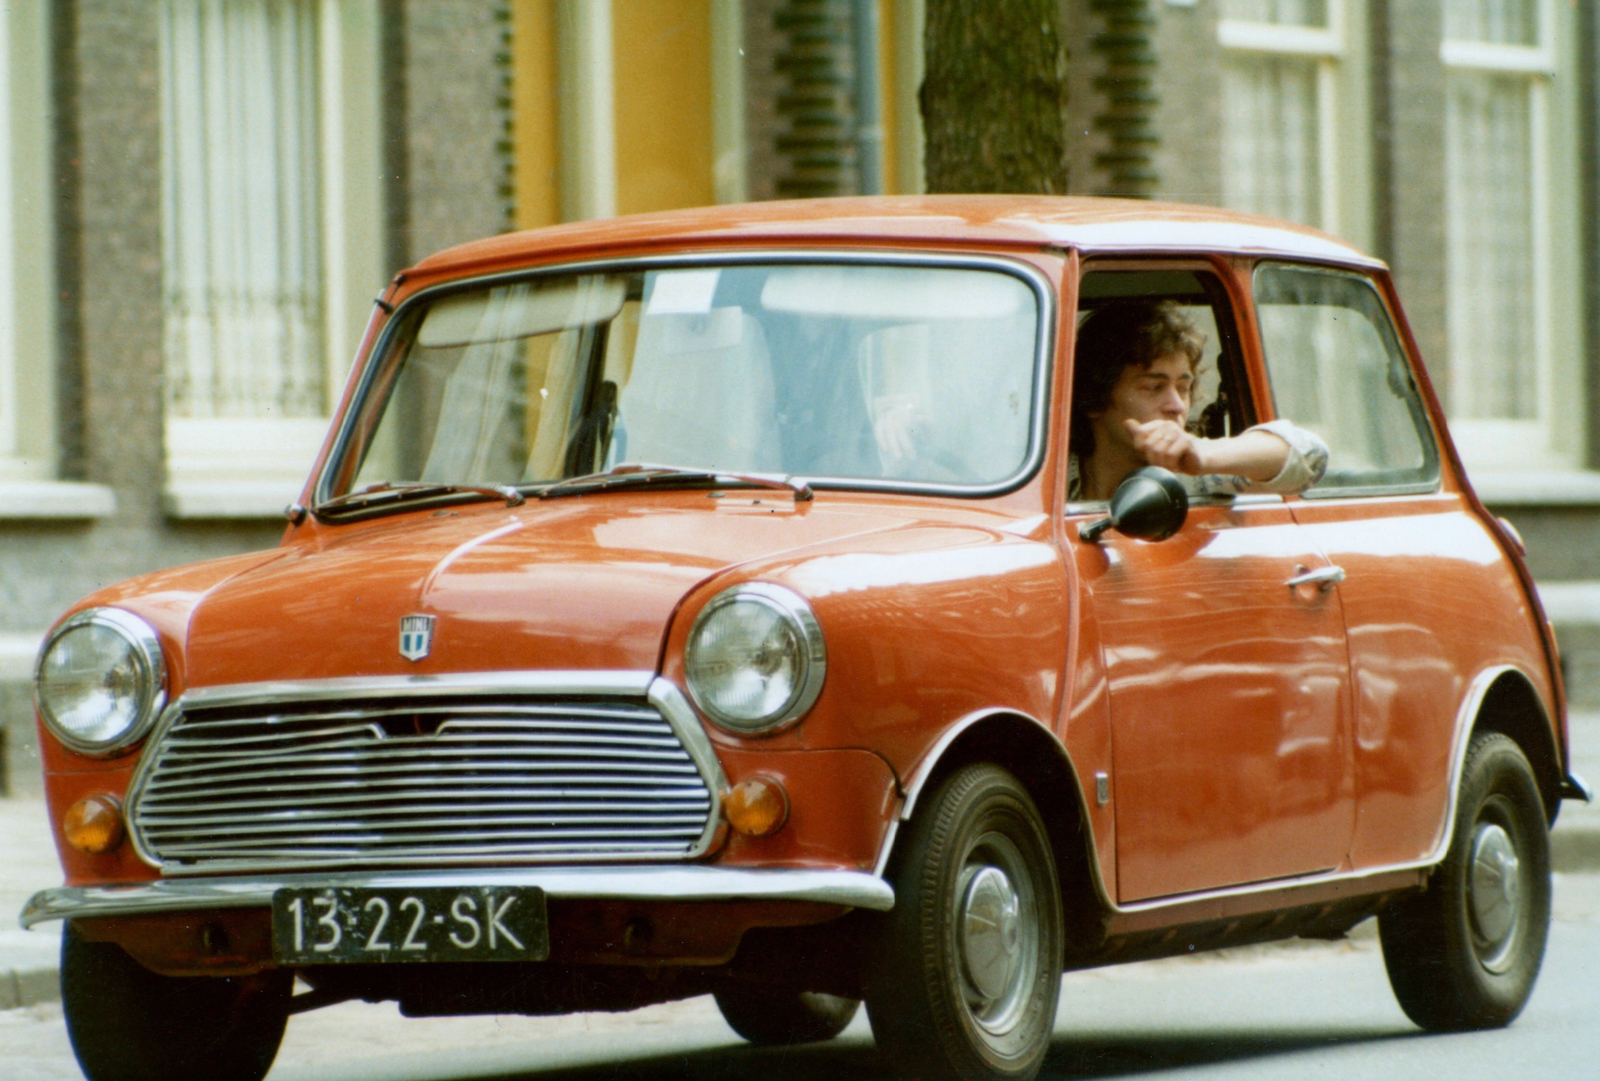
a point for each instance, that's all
(388, 493)
(645, 474)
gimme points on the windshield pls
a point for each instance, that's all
(854, 372)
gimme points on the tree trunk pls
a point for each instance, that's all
(994, 97)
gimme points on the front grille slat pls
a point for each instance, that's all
(432, 750)
(428, 781)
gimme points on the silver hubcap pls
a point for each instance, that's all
(990, 932)
(996, 935)
(1494, 895)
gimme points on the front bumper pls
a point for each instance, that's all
(853, 888)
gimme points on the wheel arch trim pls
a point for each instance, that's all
(929, 768)
(1535, 736)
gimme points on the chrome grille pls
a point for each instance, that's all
(385, 782)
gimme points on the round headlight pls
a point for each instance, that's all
(755, 659)
(100, 680)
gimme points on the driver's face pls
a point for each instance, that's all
(1160, 392)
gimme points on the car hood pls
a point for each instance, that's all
(577, 584)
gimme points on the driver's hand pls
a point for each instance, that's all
(898, 428)
(1163, 443)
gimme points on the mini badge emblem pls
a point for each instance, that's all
(416, 636)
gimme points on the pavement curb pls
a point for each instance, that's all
(29, 987)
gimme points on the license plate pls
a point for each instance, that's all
(327, 925)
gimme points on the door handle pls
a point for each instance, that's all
(1324, 578)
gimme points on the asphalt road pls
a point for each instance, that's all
(1302, 1010)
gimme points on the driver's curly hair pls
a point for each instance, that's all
(1115, 336)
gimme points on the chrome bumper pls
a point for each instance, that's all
(853, 888)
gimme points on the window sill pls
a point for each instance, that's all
(236, 500)
(1541, 489)
(26, 500)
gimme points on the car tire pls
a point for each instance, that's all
(127, 1023)
(964, 972)
(1464, 953)
(785, 1017)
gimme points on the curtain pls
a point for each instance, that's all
(1269, 154)
(241, 233)
(1489, 247)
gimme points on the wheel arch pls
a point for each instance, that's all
(1510, 705)
(1032, 754)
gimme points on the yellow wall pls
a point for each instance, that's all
(662, 55)
(888, 85)
(536, 162)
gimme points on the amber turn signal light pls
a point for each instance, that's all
(93, 824)
(756, 808)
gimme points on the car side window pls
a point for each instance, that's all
(1336, 368)
(1219, 406)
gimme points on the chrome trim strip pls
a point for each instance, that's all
(675, 707)
(1044, 346)
(1211, 499)
(856, 889)
(625, 682)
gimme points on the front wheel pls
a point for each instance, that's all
(127, 1023)
(1465, 952)
(966, 970)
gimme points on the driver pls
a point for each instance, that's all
(1132, 383)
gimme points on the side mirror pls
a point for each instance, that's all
(1150, 504)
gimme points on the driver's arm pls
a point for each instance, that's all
(1273, 457)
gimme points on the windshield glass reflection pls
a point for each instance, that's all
(877, 373)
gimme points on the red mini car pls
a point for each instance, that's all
(704, 603)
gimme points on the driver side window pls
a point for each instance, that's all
(1220, 403)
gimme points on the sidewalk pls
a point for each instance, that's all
(28, 959)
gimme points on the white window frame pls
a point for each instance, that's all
(253, 467)
(1326, 45)
(1527, 445)
(29, 487)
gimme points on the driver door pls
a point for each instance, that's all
(1228, 687)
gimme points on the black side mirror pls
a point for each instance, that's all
(1150, 504)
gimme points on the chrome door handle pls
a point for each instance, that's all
(1324, 578)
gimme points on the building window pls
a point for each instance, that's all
(268, 130)
(1499, 63)
(1280, 83)
(242, 239)
(29, 303)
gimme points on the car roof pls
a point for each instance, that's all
(1091, 224)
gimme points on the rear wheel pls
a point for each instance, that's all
(966, 969)
(1464, 953)
(127, 1023)
(785, 1017)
